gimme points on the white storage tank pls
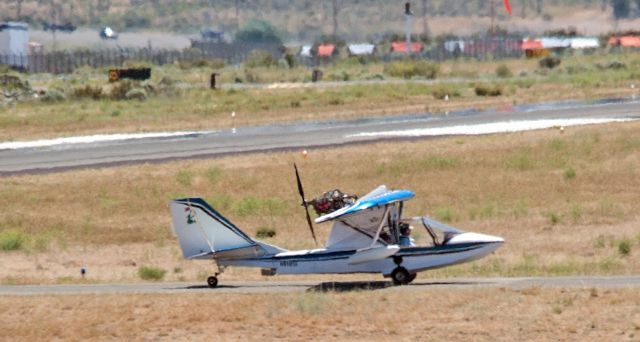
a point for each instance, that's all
(14, 44)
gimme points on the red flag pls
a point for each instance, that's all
(507, 6)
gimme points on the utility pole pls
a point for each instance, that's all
(425, 25)
(492, 9)
(407, 26)
(335, 10)
(237, 15)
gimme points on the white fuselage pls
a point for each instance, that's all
(414, 259)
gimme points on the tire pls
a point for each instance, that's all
(413, 277)
(401, 276)
(212, 281)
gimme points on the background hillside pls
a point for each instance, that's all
(305, 20)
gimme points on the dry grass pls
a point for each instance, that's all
(512, 185)
(195, 107)
(394, 314)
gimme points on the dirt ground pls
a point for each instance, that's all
(385, 315)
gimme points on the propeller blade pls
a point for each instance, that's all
(300, 189)
(306, 210)
(305, 204)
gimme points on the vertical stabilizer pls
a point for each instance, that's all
(202, 231)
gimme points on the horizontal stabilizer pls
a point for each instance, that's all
(373, 254)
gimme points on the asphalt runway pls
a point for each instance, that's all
(293, 136)
(302, 286)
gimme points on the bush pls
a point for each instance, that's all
(136, 94)
(11, 240)
(488, 89)
(624, 247)
(409, 69)
(120, 90)
(503, 71)
(441, 92)
(151, 273)
(569, 173)
(53, 95)
(88, 91)
(549, 62)
(265, 232)
(259, 58)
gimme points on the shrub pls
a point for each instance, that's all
(488, 89)
(265, 232)
(624, 247)
(259, 58)
(120, 90)
(136, 94)
(503, 71)
(88, 91)
(53, 95)
(441, 92)
(151, 273)
(569, 173)
(11, 240)
(554, 217)
(549, 62)
(409, 69)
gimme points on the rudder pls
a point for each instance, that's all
(202, 231)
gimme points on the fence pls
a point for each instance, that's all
(67, 61)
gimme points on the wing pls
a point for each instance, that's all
(376, 198)
(356, 226)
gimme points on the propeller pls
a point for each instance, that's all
(305, 204)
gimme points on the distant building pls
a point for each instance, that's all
(306, 51)
(14, 44)
(364, 49)
(327, 50)
(627, 41)
(401, 47)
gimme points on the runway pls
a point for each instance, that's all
(258, 287)
(308, 135)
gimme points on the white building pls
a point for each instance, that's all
(14, 44)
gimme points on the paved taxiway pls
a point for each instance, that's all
(582, 282)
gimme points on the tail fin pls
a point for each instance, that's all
(202, 231)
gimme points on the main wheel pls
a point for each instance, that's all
(212, 281)
(401, 276)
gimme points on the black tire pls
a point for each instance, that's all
(212, 281)
(401, 276)
(413, 277)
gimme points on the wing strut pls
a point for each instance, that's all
(305, 204)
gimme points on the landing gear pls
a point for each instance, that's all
(401, 276)
(212, 281)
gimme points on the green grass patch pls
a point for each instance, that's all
(439, 162)
(409, 68)
(184, 177)
(445, 214)
(12, 240)
(214, 174)
(521, 161)
(249, 206)
(151, 273)
(569, 173)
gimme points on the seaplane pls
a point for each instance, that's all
(369, 235)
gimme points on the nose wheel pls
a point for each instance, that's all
(401, 276)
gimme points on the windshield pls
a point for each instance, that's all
(438, 233)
